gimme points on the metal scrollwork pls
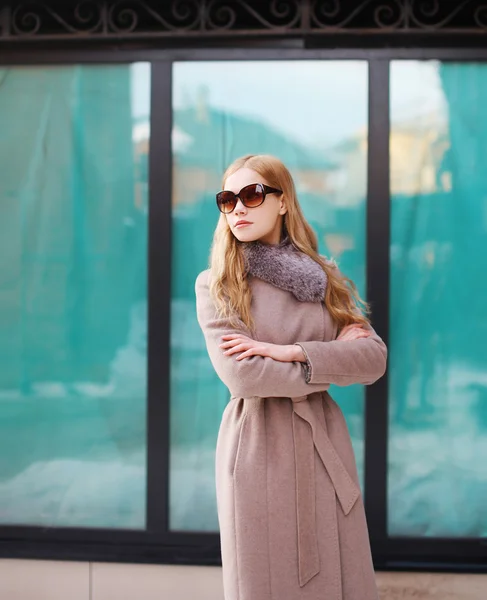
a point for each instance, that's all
(49, 20)
(272, 15)
(390, 15)
(33, 18)
(220, 16)
(122, 17)
(480, 16)
(25, 21)
(126, 16)
(436, 15)
(330, 14)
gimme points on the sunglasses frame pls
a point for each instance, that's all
(266, 189)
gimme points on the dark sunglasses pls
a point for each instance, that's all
(252, 196)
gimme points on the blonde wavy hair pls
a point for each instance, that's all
(229, 286)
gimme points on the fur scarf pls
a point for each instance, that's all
(286, 267)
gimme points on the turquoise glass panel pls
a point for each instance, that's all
(318, 127)
(73, 299)
(437, 483)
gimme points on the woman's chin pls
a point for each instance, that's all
(244, 236)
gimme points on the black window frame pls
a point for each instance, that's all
(157, 544)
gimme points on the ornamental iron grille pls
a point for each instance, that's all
(50, 20)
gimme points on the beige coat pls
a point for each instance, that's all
(291, 514)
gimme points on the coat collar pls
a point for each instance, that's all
(286, 267)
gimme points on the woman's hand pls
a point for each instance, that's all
(234, 343)
(355, 331)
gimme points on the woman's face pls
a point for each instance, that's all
(264, 221)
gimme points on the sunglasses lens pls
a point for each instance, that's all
(226, 201)
(252, 195)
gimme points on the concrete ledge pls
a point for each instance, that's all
(51, 580)
(431, 586)
(44, 580)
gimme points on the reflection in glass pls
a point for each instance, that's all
(318, 128)
(438, 376)
(73, 303)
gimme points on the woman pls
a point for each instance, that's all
(281, 324)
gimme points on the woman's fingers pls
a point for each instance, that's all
(348, 330)
(237, 343)
(359, 336)
(355, 331)
(245, 345)
(350, 327)
(237, 348)
(354, 335)
(233, 336)
(231, 343)
(248, 353)
(233, 340)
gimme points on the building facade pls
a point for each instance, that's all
(117, 121)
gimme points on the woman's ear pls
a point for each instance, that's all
(283, 207)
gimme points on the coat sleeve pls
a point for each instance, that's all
(362, 361)
(258, 376)
(345, 363)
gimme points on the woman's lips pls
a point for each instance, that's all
(238, 225)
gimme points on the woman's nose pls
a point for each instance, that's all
(240, 206)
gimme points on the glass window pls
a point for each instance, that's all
(437, 482)
(318, 127)
(73, 301)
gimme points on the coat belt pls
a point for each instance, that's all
(309, 437)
